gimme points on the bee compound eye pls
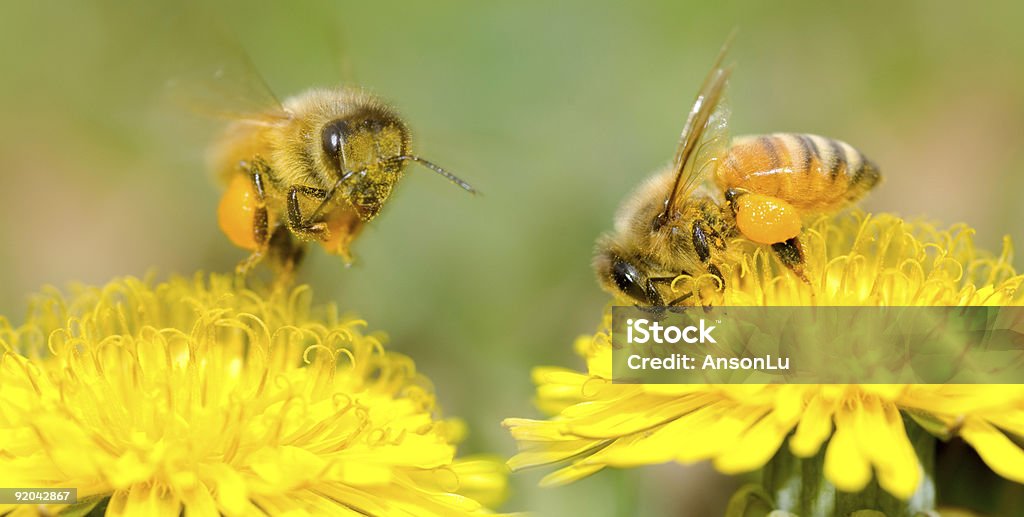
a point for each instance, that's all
(333, 138)
(628, 279)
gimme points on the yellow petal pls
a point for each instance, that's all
(634, 414)
(285, 467)
(232, 492)
(660, 445)
(755, 447)
(128, 470)
(542, 453)
(482, 478)
(199, 502)
(358, 473)
(144, 499)
(789, 403)
(814, 428)
(720, 433)
(998, 451)
(569, 474)
(884, 440)
(845, 466)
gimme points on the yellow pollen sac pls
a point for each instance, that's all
(236, 210)
(343, 225)
(765, 219)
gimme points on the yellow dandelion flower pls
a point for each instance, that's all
(859, 432)
(195, 396)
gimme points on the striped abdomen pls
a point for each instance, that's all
(811, 172)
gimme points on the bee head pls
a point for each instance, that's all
(625, 278)
(366, 150)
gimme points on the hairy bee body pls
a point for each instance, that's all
(317, 168)
(686, 220)
(813, 173)
(640, 262)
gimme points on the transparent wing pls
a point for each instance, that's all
(704, 136)
(209, 73)
(711, 147)
(229, 87)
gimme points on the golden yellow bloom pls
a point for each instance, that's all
(194, 395)
(852, 260)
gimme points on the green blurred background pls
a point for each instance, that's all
(554, 110)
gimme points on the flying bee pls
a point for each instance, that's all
(317, 169)
(762, 189)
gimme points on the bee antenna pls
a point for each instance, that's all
(451, 177)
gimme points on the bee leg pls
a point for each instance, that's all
(245, 266)
(261, 234)
(700, 242)
(652, 290)
(296, 222)
(717, 273)
(703, 248)
(286, 254)
(731, 196)
(672, 305)
(791, 254)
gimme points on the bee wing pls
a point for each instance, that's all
(230, 89)
(710, 148)
(704, 136)
(212, 75)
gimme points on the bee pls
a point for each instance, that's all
(315, 169)
(762, 188)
